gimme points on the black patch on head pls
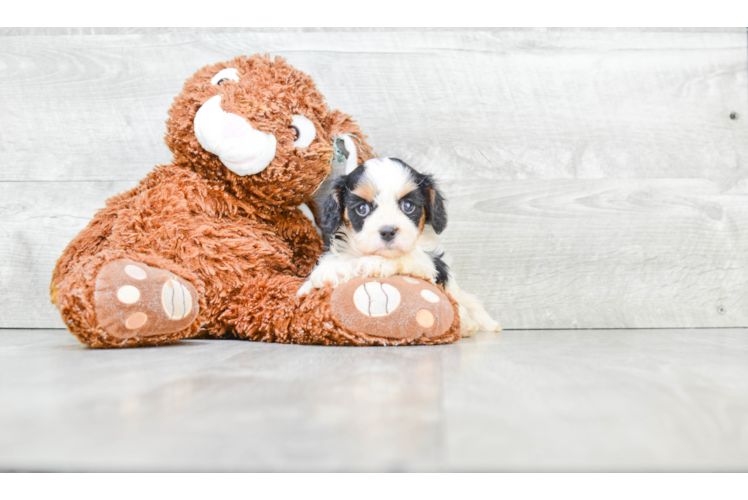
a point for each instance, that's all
(442, 269)
(352, 202)
(418, 200)
(332, 209)
(436, 213)
(341, 198)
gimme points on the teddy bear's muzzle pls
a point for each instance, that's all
(241, 148)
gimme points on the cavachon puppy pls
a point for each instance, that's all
(383, 218)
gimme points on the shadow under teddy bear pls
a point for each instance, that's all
(217, 243)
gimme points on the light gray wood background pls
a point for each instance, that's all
(595, 177)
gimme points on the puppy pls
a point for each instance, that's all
(383, 219)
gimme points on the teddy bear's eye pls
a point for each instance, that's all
(304, 131)
(224, 75)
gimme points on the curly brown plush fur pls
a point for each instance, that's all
(239, 240)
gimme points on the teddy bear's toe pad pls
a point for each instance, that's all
(133, 299)
(397, 308)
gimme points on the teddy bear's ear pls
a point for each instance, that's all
(332, 210)
(348, 150)
(348, 140)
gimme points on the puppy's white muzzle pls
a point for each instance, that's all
(242, 149)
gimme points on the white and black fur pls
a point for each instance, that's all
(383, 219)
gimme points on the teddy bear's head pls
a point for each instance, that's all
(260, 126)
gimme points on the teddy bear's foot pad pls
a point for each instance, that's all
(136, 300)
(398, 308)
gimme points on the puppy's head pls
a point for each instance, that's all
(381, 208)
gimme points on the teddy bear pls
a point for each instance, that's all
(217, 243)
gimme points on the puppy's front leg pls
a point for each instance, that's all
(373, 266)
(330, 271)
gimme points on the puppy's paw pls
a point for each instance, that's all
(373, 267)
(305, 288)
(467, 326)
(324, 274)
(485, 322)
(490, 326)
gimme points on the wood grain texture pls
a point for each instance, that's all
(620, 400)
(595, 177)
(499, 104)
(97, 31)
(546, 254)
(603, 253)
(37, 221)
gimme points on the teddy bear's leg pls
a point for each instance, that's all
(115, 299)
(401, 309)
(414, 312)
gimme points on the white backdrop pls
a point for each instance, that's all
(596, 178)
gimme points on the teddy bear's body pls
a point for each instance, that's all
(201, 247)
(178, 221)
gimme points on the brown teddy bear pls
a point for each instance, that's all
(218, 242)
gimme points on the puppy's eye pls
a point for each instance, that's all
(407, 207)
(363, 209)
(304, 131)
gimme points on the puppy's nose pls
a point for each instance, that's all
(387, 233)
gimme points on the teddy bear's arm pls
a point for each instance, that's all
(268, 310)
(303, 238)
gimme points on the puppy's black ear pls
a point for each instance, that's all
(332, 211)
(436, 212)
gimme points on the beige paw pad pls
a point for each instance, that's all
(136, 320)
(128, 294)
(133, 299)
(425, 318)
(376, 299)
(176, 300)
(135, 272)
(430, 296)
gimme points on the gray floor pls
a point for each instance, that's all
(522, 400)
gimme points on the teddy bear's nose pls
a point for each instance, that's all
(241, 148)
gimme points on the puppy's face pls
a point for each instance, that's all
(382, 207)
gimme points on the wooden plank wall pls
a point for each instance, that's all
(596, 178)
